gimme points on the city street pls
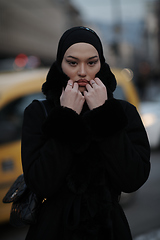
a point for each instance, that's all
(115, 43)
(143, 212)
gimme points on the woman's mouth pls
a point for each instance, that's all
(82, 82)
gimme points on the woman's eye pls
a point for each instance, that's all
(92, 63)
(72, 63)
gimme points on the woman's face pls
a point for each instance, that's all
(81, 63)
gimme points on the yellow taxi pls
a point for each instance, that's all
(17, 90)
(125, 87)
(126, 90)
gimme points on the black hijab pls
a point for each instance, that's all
(56, 79)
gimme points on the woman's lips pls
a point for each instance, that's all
(82, 82)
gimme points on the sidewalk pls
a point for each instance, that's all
(155, 235)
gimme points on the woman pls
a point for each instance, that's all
(89, 149)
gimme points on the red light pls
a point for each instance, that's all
(21, 60)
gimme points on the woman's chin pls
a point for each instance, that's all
(82, 88)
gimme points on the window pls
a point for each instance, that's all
(119, 93)
(11, 117)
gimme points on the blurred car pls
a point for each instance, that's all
(126, 89)
(17, 90)
(150, 114)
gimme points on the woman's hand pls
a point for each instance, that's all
(72, 98)
(96, 93)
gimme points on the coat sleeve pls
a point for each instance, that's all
(46, 156)
(123, 144)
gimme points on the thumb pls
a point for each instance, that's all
(85, 94)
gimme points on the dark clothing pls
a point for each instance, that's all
(81, 164)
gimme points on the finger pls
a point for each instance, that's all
(98, 81)
(75, 86)
(93, 83)
(69, 84)
(89, 87)
(85, 93)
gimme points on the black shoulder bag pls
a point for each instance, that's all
(25, 203)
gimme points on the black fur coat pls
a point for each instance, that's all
(81, 164)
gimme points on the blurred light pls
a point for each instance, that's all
(128, 73)
(21, 60)
(33, 62)
(148, 119)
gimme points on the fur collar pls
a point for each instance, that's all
(56, 80)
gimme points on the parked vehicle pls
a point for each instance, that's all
(126, 89)
(17, 90)
(150, 113)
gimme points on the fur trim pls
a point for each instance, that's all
(56, 80)
(107, 77)
(106, 120)
(65, 124)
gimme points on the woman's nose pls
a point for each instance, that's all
(82, 70)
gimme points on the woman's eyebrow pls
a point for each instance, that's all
(72, 57)
(77, 58)
(93, 57)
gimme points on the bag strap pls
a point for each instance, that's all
(42, 102)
